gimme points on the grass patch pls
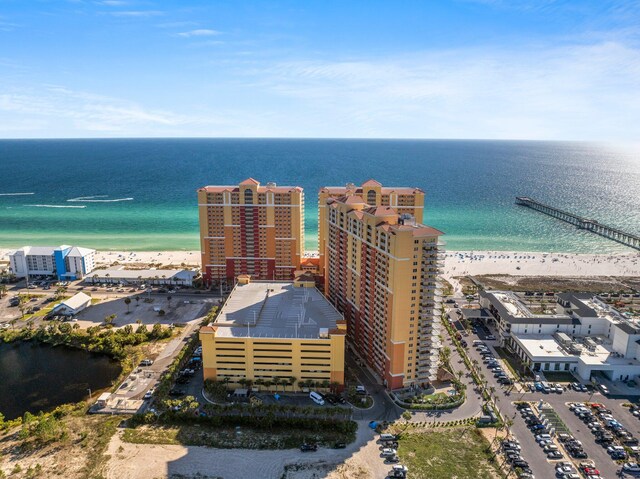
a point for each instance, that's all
(559, 376)
(460, 453)
(232, 438)
(96, 442)
(512, 363)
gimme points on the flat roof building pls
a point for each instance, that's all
(63, 262)
(168, 277)
(272, 329)
(579, 333)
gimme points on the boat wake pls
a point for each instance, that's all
(16, 194)
(56, 206)
(98, 199)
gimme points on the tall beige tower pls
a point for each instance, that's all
(381, 268)
(402, 199)
(251, 229)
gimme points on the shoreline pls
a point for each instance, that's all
(457, 263)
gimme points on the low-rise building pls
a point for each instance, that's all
(272, 331)
(73, 305)
(579, 333)
(62, 262)
(165, 277)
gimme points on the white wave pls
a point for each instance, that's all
(55, 206)
(16, 194)
(93, 199)
(83, 198)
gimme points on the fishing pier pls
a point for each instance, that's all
(627, 239)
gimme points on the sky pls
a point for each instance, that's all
(482, 69)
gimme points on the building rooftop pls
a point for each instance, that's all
(264, 309)
(547, 347)
(350, 187)
(137, 273)
(512, 309)
(76, 301)
(251, 182)
(544, 346)
(49, 250)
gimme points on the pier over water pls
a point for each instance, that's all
(627, 239)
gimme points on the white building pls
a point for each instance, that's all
(167, 277)
(63, 262)
(581, 334)
(73, 305)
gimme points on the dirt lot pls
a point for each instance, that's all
(79, 456)
(593, 284)
(360, 460)
(176, 312)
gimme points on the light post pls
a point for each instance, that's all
(89, 393)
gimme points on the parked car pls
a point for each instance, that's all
(149, 393)
(388, 452)
(146, 362)
(308, 447)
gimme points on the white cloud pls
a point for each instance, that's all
(571, 92)
(136, 13)
(201, 32)
(57, 111)
(112, 3)
(86, 111)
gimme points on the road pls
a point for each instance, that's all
(530, 450)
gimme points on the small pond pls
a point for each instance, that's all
(37, 377)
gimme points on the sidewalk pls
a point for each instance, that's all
(472, 406)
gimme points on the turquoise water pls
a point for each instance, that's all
(140, 194)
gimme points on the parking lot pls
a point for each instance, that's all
(506, 395)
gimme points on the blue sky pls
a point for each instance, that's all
(521, 69)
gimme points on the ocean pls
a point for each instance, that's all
(140, 194)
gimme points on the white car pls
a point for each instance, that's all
(149, 393)
(631, 467)
(388, 452)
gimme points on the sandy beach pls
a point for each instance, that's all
(457, 263)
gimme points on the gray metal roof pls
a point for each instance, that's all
(272, 309)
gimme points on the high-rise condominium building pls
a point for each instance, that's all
(403, 200)
(381, 270)
(251, 229)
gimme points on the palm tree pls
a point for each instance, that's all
(3, 290)
(292, 382)
(276, 381)
(127, 301)
(95, 278)
(108, 276)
